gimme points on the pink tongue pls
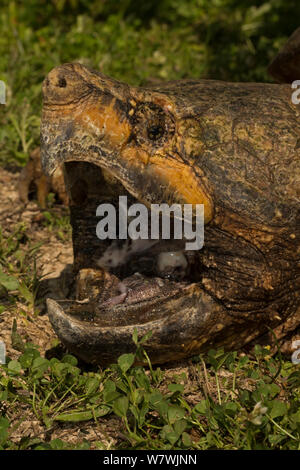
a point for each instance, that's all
(106, 290)
(117, 299)
(136, 289)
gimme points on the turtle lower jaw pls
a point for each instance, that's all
(99, 328)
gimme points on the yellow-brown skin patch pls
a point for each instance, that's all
(182, 181)
(105, 122)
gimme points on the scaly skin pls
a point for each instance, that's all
(235, 148)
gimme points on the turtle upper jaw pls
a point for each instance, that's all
(131, 133)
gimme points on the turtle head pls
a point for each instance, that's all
(133, 134)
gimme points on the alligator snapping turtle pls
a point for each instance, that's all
(234, 147)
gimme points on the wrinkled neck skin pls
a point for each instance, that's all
(227, 146)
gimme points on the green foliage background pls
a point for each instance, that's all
(130, 40)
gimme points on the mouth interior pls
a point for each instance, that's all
(120, 282)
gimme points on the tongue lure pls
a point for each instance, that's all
(117, 299)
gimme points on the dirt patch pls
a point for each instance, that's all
(54, 256)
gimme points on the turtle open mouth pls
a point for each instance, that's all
(121, 285)
(120, 281)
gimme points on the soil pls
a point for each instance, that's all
(54, 256)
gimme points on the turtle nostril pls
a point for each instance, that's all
(62, 82)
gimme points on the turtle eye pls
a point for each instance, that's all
(62, 83)
(155, 132)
